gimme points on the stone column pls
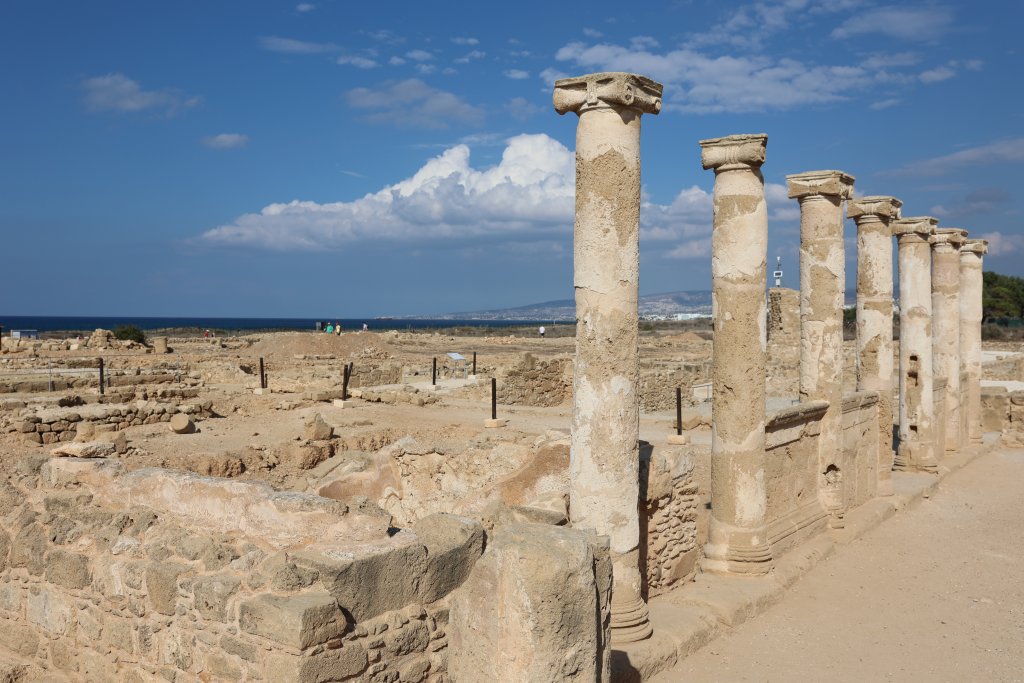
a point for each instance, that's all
(946, 324)
(738, 535)
(822, 286)
(604, 448)
(874, 316)
(917, 410)
(971, 255)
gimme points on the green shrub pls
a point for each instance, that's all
(129, 332)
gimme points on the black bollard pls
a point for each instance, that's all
(679, 410)
(494, 398)
(101, 376)
(433, 373)
(474, 362)
(263, 375)
(344, 383)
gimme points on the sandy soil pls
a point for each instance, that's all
(934, 594)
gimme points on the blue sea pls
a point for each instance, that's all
(90, 323)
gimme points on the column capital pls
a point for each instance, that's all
(879, 207)
(979, 247)
(948, 239)
(734, 151)
(828, 183)
(609, 88)
(923, 226)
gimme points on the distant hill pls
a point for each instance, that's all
(665, 304)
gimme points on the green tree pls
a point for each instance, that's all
(1002, 296)
(126, 332)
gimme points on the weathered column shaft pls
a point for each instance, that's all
(972, 254)
(738, 536)
(822, 286)
(917, 409)
(946, 324)
(604, 450)
(874, 317)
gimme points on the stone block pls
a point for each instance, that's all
(529, 610)
(29, 548)
(453, 544)
(181, 424)
(162, 585)
(223, 668)
(19, 638)
(49, 610)
(318, 430)
(371, 578)
(331, 665)
(298, 621)
(70, 570)
(212, 594)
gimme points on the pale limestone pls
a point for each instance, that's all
(972, 254)
(916, 404)
(946, 245)
(738, 537)
(873, 216)
(822, 285)
(604, 460)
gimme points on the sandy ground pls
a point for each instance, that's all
(934, 594)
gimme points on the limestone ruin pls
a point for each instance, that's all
(310, 507)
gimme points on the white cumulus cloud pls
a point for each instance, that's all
(529, 192)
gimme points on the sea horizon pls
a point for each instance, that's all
(56, 323)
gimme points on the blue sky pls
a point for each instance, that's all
(355, 159)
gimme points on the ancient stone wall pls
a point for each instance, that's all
(783, 341)
(658, 384)
(53, 425)
(670, 516)
(532, 382)
(860, 447)
(156, 575)
(795, 510)
(1003, 411)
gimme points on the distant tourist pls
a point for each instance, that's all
(541, 330)
(329, 329)
(337, 328)
(365, 327)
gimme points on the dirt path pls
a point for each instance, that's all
(934, 594)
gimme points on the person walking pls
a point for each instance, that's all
(541, 330)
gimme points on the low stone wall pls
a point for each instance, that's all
(53, 425)
(375, 375)
(860, 448)
(533, 382)
(670, 517)
(1003, 411)
(164, 576)
(658, 384)
(793, 475)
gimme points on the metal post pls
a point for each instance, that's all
(494, 398)
(49, 376)
(679, 410)
(474, 362)
(101, 376)
(433, 373)
(344, 383)
(263, 375)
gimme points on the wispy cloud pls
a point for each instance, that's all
(117, 92)
(939, 73)
(516, 74)
(521, 108)
(885, 104)
(413, 103)
(470, 56)
(979, 201)
(305, 7)
(592, 33)
(357, 61)
(1003, 151)
(419, 55)
(386, 36)
(1003, 244)
(295, 47)
(465, 41)
(226, 141)
(913, 24)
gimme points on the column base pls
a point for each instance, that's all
(915, 457)
(740, 551)
(630, 620)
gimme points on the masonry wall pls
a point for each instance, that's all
(132, 592)
(672, 517)
(860, 447)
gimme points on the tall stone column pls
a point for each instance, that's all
(738, 535)
(946, 245)
(822, 286)
(971, 255)
(604, 449)
(917, 409)
(874, 316)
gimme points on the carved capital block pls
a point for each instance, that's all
(883, 208)
(827, 183)
(922, 226)
(733, 152)
(613, 88)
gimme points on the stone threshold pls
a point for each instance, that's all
(695, 614)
